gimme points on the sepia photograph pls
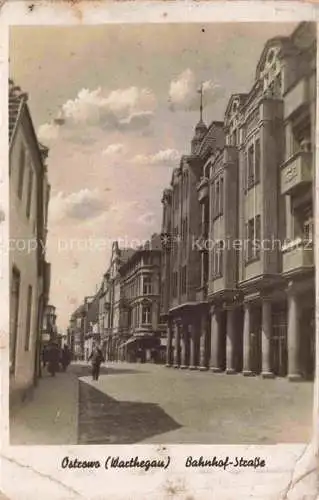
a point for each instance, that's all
(161, 240)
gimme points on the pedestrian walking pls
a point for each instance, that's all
(96, 357)
(65, 357)
(53, 357)
(45, 356)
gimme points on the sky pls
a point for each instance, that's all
(117, 106)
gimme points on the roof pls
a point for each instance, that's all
(126, 254)
(93, 310)
(17, 105)
(17, 99)
(80, 310)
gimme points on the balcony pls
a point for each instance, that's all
(298, 255)
(296, 172)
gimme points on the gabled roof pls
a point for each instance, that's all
(80, 310)
(213, 138)
(284, 44)
(17, 100)
(93, 310)
(17, 107)
(241, 97)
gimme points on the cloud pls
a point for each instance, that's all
(147, 219)
(113, 149)
(183, 92)
(81, 205)
(48, 132)
(163, 157)
(129, 109)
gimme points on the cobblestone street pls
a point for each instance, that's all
(146, 403)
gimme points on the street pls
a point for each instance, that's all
(147, 403)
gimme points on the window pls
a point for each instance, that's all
(186, 184)
(147, 259)
(212, 198)
(218, 198)
(257, 161)
(218, 255)
(253, 238)
(183, 280)
(176, 197)
(146, 314)
(308, 228)
(251, 177)
(30, 187)
(175, 242)
(301, 133)
(305, 224)
(252, 165)
(21, 172)
(174, 284)
(221, 200)
(147, 285)
(28, 320)
(184, 234)
(14, 315)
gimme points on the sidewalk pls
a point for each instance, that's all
(51, 416)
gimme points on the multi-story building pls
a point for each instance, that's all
(256, 197)
(111, 303)
(129, 298)
(92, 332)
(183, 287)
(77, 332)
(49, 324)
(30, 273)
(140, 295)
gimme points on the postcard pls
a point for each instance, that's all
(158, 246)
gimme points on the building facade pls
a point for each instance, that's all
(49, 324)
(244, 302)
(140, 293)
(76, 332)
(92, 333)
(111, 303)
(129, 300)
(30, 273)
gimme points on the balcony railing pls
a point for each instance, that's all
(296, 172)
(298, 255)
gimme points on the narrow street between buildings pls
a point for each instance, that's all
(148, 403)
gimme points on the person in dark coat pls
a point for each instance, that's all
(65, 357)
(44, 356)
(96, 357)
(53, 357)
